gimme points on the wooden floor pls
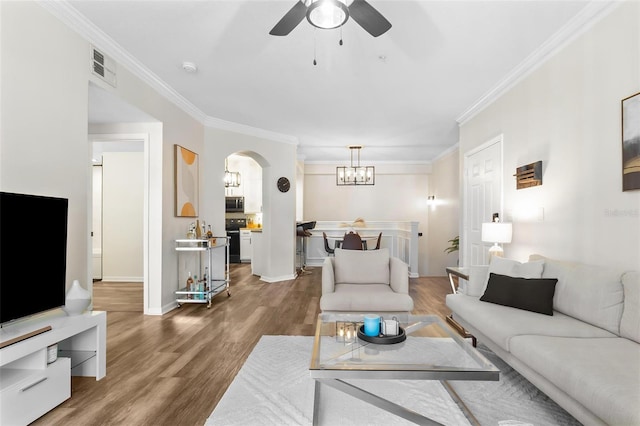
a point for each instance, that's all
(173, 369)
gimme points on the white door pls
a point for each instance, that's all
(482, 198)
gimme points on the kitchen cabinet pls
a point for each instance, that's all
(245, 246)
(257, 256)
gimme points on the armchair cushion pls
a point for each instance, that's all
(362, 266)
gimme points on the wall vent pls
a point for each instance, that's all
(103, 66)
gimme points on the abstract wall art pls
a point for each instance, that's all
(186, 181)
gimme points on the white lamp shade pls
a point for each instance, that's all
(496, 232)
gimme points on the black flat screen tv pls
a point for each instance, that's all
(33, 254)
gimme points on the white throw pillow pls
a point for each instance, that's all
(508, 267)
(477, 281)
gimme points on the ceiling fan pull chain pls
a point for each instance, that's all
(341, 35)
(314, 47)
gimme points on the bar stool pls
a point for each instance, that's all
(302, 231)
(303, 234)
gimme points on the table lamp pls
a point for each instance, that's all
(496, 232)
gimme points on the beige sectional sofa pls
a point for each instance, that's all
(586, 355)
(359, 281)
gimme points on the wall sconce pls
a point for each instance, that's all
(497, 233)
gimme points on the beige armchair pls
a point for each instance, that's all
(359, 281)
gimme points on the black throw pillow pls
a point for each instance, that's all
(530, 294)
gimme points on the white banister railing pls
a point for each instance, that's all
(400, 237)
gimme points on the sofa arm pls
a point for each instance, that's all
(328, 277)
(399, 275)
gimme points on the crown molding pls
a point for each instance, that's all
(579, 24)
(79, 23)
(446, 152)
(248, 130)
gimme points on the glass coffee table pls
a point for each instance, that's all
(431, 351)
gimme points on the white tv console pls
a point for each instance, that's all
(29, 386)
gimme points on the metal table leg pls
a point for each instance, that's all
(370, 398)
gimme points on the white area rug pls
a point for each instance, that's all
(273, 387)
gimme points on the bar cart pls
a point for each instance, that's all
(194, 254)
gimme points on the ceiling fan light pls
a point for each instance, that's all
(327, 14)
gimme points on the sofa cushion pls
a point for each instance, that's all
(365, 298)
(501, 323)
(362, 266)
(591, 293)
(630, 321)
(601, 374)
(531, 294)
(502, 266)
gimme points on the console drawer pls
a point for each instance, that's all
(36, 394)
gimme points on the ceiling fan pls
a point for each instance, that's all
(328, 14)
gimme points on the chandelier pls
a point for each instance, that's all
(355, 174)
(231, 179)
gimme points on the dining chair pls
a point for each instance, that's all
(328, 249)
(378, 243)
(352, 241)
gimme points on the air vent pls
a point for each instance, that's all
(103, 66)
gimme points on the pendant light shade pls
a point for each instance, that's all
(355, 174)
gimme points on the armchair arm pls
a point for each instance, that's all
(399, 275)
(328, 277)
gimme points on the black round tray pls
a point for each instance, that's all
(381, 339)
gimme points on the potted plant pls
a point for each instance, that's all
(454, 245)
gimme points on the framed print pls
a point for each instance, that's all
(631, 142)
(186, 181)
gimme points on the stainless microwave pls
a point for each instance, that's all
(234, 204)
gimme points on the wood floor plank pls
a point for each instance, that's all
(173, 369)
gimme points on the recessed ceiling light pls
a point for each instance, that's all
(189, 67)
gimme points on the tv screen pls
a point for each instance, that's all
(33, 232)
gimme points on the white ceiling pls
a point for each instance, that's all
(399, 95)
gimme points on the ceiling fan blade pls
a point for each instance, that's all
(291, 20)
(369, 18)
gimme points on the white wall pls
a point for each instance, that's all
(399, 194)
(122, 219)
(444, 212)
(43, 129)
(278, 220)
(567, 114)
(44, 138)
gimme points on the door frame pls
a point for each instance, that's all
(499, 139)
(129, 137)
